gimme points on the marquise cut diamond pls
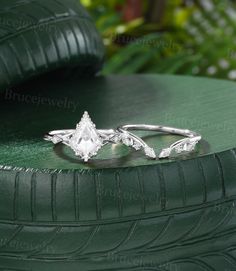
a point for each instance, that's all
(150, 152)
(165, 153)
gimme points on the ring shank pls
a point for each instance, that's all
(159, 128)
(71, 131)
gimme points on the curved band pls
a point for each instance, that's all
(159, 128)
(186, 144)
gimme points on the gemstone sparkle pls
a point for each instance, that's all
(86, 140)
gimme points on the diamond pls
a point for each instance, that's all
(186, 145)
(115, 139)
(191, 146)
(165, 153)
(126, 139)
(150, 152)
(56, 139)
(86, 140)
(137, 146)
(179, 148)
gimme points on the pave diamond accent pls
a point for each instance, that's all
(133, 142)
(186, 145)
(165, 153)
(137, 146)
(126, 139)
(86, 140)
(56, 139)
(182, 146)
(150, 152)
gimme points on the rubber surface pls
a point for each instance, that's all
(41, 36)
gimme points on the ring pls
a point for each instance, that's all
(86, 140)
(184, 145)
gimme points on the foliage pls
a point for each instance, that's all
(198, 38)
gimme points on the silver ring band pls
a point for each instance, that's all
(184, 145)
(86, 140)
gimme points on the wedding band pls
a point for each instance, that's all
(184, 145)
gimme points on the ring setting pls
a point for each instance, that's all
(86, 140)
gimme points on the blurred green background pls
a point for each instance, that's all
(168, 36)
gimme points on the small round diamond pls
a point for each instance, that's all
(56, 139)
